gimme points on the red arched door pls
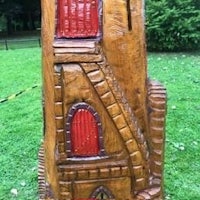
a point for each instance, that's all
(77, 18)
(84, 134)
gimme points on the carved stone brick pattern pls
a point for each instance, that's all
(104, 128)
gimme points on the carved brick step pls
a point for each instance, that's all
(124, 106)
(91, 44)
(58, 108)
(157, 167)
(59, 122)
(75, 50)
(113, 96)
(155, 86)
(158, 119)
(58, 94)
(156, 132)
(157, 175)
(157, 122)
(157, 154)
(157, 112)
(150, 194)
(76, 47)
(158, 104)
(157, 90)
(96, 76)
(157, 97)
(102, 87)
(157, 143)
(114, 110)
(120, 121)
(91, 174)
(60, 135)
(109, 99)
(90, 67)
(157, 129)
(41, 176)
(140, 183)
(139, 171)
(87, 58)
(156, 181)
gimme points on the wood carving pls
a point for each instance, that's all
(103, 118)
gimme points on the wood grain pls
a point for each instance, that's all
(106, 74)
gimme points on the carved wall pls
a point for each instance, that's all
(104, 122)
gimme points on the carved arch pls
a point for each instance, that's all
(87, 112)
(101, 193)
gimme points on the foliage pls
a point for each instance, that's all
(173, 25)
(20, 14)
(2, 23)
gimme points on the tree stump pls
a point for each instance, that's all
(104, 119)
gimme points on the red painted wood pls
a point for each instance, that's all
(84, 134)
(77, 18)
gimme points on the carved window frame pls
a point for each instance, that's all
(69, 118)
(99, 34)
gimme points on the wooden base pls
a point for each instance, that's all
(45, 193)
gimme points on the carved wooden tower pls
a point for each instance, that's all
(103, 118)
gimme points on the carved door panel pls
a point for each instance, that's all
(77, 18)
(84, 134)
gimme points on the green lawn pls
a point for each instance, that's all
(21, 123)
(180, 73)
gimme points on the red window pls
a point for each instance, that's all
(84, 134)
(77, 18)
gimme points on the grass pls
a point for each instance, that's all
(180, 73)
(21, 123)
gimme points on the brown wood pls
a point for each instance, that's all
(103, 75)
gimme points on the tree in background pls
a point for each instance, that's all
(20, 14)
(9, 9)
(173, 25)
(30, 13)
(170, 25)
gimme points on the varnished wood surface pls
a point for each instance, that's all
(48, 29)
(108, 73)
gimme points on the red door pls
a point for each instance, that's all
(77, 18)
(84, 134)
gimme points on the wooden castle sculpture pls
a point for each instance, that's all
(103, 118)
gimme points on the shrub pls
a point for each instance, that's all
(173, 25)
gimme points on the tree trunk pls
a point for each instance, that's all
(9, 27)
